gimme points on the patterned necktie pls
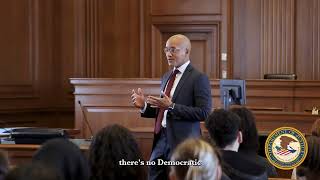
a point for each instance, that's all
(167, 92)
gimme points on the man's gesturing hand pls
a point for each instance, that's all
(157, 102)
(138, 98)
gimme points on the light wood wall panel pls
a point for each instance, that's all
(35, 65)
(65, 43)
(120, 38)
(113, 33)
(246, 39)
(264, 38)
(17, 48)
(308, 39)
(87, 37)
(26, 49)
(277, 37)
(46, 42)
(108, 36)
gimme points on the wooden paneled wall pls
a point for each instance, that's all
(308, 39)
(276, 36)
(35, 63)
(46, 42)
(125, 38)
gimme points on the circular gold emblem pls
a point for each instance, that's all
(286, 148)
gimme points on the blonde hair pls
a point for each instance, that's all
(204, 156)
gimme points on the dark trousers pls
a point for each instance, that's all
(160, 151)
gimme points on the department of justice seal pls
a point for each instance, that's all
(286, 148)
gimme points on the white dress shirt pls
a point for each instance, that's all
(181, 69)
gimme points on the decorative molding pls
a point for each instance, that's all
(182, 7)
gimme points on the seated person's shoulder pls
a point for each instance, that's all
(242, 166)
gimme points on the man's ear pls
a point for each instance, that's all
(187, 51)
(240, 139)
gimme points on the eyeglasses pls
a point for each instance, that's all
(172, 50)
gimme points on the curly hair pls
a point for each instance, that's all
(196, 150)
(248, 128)
(223, 127)
(111, 145)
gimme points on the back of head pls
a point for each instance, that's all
(315, 130)
(4, 164)
(248, 128)
(200, 152)
(311, 165)
(223, 127)
(33, 171)
(64, 157)
(111, 145)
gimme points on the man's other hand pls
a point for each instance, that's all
(157, 102)
(138, 98)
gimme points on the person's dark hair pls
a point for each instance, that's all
(196, 150)
(33, 171)
(65, 158)
(223, 127)
(310, 167)
(111, 145)
(4, 164)
(315, 129)
(248, 128)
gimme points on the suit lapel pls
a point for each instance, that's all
(183, 79)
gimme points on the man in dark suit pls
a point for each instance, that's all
(185, 100)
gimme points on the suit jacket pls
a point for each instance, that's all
(193, 103)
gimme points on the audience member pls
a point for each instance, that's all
(197, 151)
(250, 139)
(33, 171)
(310, 168)
(111, 145)
(224, 129)
(4, 164)
(65, 158)
(315, 129)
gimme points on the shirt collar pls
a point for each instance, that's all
(183, 67)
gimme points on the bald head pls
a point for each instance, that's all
(177, 50)
(182, 40)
